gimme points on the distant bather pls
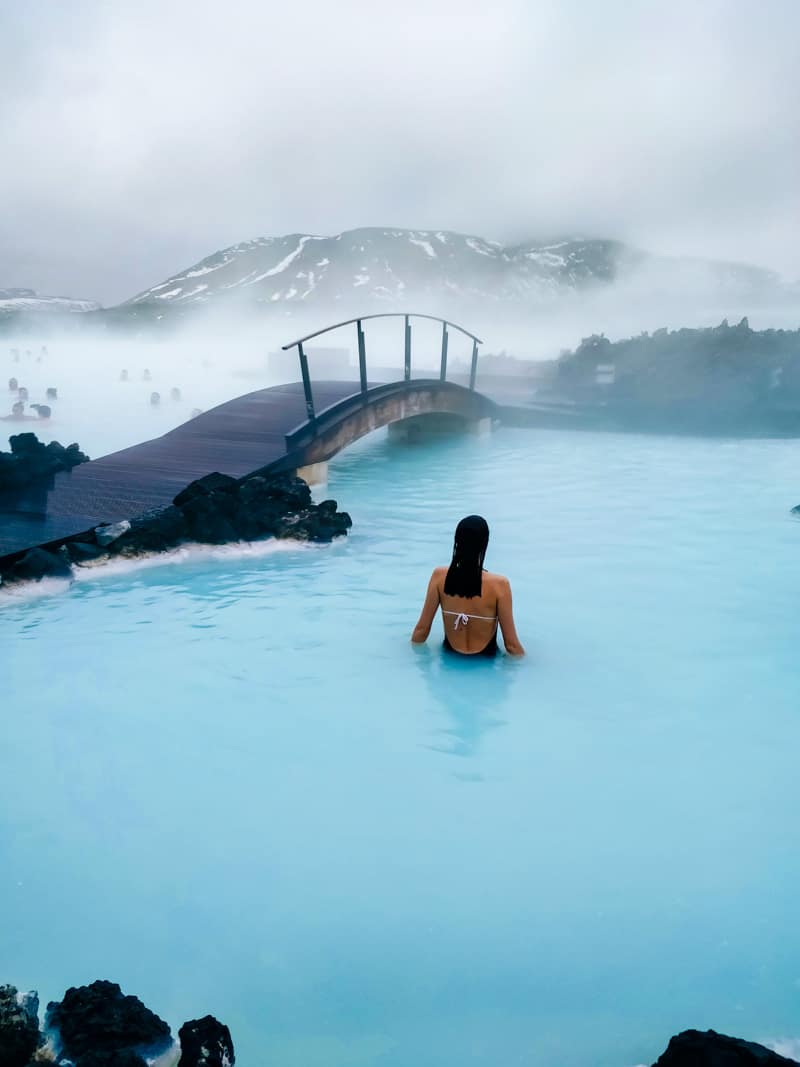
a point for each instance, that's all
(52, 393)
(22, 393)
(155, 399)
(175, 393)
(146, 376)
(13, 385)
(42, 410)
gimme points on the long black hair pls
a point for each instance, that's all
(465, 573)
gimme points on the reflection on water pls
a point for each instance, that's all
(470, 694)
(232, 785)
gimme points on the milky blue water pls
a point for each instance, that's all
(233, 786)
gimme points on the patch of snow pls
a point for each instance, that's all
(241, 281)
(426, 246)
(290, 293)
(546, 259)
(476, 247)
(323, 263)
(284, 263)
(206, 270)
(360, 279)
(193, 292)
(276, 296)
(311, 284)
(441, 237)
(171, 293)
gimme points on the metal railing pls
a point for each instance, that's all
(362, 350)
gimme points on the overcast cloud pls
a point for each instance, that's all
(140, 137)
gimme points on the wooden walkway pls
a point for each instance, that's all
(235, 438)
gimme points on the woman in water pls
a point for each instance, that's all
(472, 600)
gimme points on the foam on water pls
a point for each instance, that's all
(230, 783)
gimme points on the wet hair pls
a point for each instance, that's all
(465, 573)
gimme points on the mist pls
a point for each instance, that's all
(140, 140)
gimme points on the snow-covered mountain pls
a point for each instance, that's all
(369, 268)
(12, 300)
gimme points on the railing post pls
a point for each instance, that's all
(407, 362)
(306, 382)
(443, 368)
(362, 357)
(474, 368)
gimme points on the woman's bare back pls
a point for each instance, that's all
(483, 615)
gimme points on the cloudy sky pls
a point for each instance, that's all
(139, 137)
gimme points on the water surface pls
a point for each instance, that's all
(233, 786)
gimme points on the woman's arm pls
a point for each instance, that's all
(505, 616)
(423, 627)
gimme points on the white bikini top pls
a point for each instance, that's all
(462, 618)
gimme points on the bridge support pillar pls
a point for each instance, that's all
(314, 473)
(480, 426)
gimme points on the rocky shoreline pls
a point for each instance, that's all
(99, 1026)
(214, 510)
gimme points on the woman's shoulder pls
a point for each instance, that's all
(498, 581)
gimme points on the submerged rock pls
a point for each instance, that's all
(206, 1042)
(696, 1048)
(19, 1026)
(99, 1026)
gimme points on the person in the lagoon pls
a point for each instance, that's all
(473, 601)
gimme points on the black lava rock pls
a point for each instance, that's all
(210, 483)
(207, 520)
(100, 1019)
(38, 563)
(696, 1048)
(30, 460)
(19, 1027)
(83, 551)
(205, 1043)
(154, 531)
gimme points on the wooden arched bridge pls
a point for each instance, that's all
(283, 428)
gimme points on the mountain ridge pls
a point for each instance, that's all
(14, 300)
(380, 266)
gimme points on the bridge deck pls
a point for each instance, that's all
(235, 438)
